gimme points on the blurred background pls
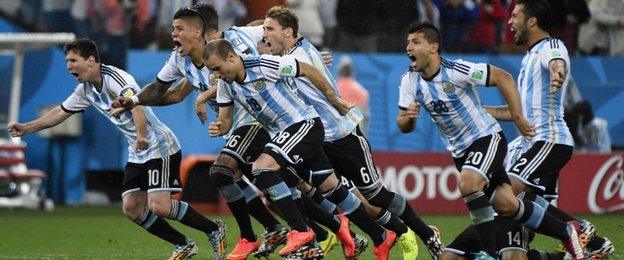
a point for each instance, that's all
(84, 162)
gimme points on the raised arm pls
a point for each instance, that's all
(50, 119)
(325, 87)
(507, 87)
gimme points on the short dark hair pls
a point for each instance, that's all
(219, 47)
(192, 15)
(432, 34)
(84, 48)
(540, 9)
(285, 17)
(209, 14)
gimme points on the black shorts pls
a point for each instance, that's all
(301, 144)
(486, 156)
(539, 166)
(352, 159)
(510, 235)
(245, 145)
(160, 174)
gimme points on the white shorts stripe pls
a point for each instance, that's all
(298, 136)
(539, 158)
(368, 158)
(491, 153)
(251, 134)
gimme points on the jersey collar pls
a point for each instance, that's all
(538, 42)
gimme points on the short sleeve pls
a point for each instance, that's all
(77, 101)
(224, 98)
(472, 73)
(553, 49)
(121, 83)
(170, 71)
(273, 68)
(288, 66)
(407, 91)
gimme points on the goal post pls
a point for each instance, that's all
(16, 44)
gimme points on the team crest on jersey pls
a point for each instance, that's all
(448, 87)
(213, 79)
(127, 92)
(555, 54)
(259, 85)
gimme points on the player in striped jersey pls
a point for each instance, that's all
(346, 147)
(154, 154)
(258, 85)
(446, 89)
(542, 84)
(191, 27)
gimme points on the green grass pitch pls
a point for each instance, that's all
(103, 233)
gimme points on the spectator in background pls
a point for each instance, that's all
(483, 34)
(356, 24)
(456, 17)
(231, 12)
(328, 18)
(428, 12)
(604, 33)
(111, 28)
(257, 9)
(396, 15)
(593, 132)
(56, 15)
(353, 91)
(143, 23)
(80, 14)
(567, 16)
(309, 14)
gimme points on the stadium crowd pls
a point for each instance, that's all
(469, 26)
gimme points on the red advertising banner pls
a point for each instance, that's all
(590, 183)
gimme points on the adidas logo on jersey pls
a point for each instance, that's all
(175, 182)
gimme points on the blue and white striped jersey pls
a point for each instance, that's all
(541, 107)
(265, 94)
(336, 126)
(452, 100)
(243, 39)
(115, 83)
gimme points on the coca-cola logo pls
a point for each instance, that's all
(606, 193)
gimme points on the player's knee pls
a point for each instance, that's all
(227, 161)
(505, 205)
(513, 255)
(325, 182)
(131, 209)
(220, 173)
(470, 182)
(160, 208)
(265, 161)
